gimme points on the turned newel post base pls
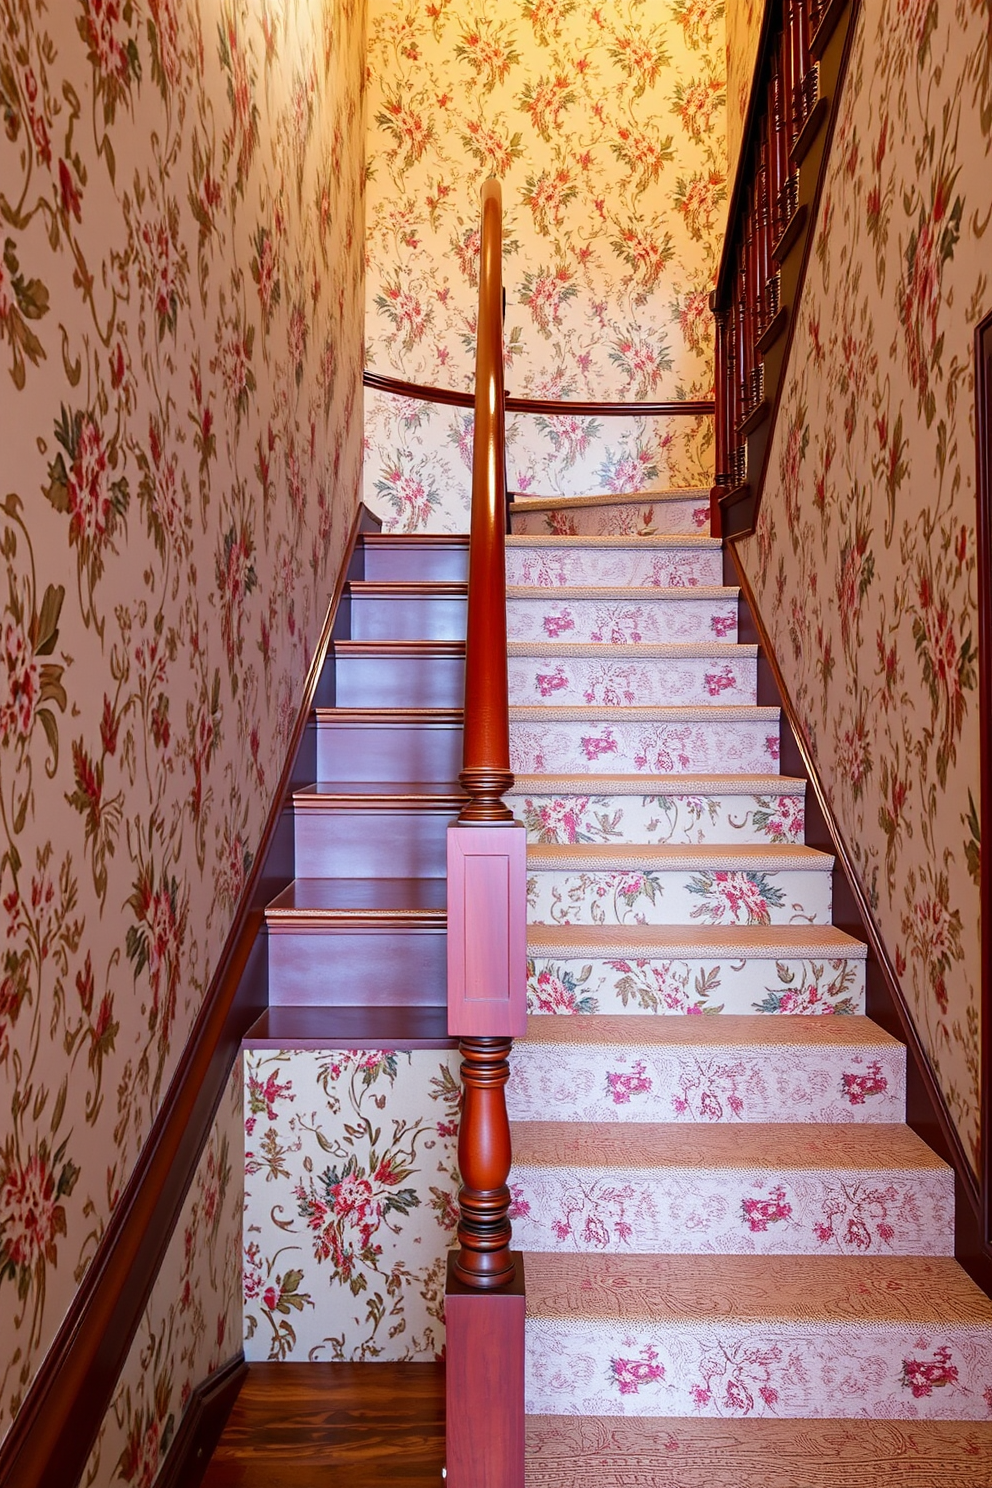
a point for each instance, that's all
(484, 1260)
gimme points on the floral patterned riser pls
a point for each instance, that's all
(661, 820)
(679, 897)
(630, 519)
(676, 1211)
(581, 986)
(622, 622)
(350, 1181)
(625, 682)
(616, 568)
(770, 1083)
(710, 746)
(817, 1370)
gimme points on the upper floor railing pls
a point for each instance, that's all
(802, 54)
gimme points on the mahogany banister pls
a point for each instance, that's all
(549, 407)
(983, 451)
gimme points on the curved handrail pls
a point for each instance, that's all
(549, 407)
(486, 760)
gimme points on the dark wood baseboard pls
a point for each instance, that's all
(200, 1428)
(54, 1431)
(926, 1110)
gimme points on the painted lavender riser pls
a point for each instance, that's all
(604, 746)
(808, 1083)
(724, 1212)
(631, 567)
(625, 680)
(666, 619)
(581, 985)
(663, 819)
(646, 518)
(818, 1370)
(678, 897)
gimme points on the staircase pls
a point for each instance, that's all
(725, 1218)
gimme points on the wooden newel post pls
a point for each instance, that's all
(487, 913)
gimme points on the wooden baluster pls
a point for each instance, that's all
(484, 1230)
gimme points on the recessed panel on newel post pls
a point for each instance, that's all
(487, 932)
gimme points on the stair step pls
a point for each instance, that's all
(637, 513)
(622, 616)
(649, 741)
(660, 808)
(885, 1336)
(647, 1452)
(620, 883)
(350, 1027)
(408, 610)
(618, 562)
(674, 969)
(367, 744)
(738, 1068)
(750, 1189)
(328, 936)
(428, 556)
(384, 830)
(399, 674)
(557, 673)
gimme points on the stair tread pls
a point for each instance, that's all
(390, 715)
(328, 898)
(427, 649)
(406, 589)
(722, 942)
(591, 713)
(661, 541)
(770, 857)
(631, 593)
(744, 1290)
(520, 503)
(657, 785)
(351, 1027)
(382, 794)
(738, 1031)
(635, 650)
(762, 1148)
(674, 1452)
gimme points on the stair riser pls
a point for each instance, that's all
(723, 1212)
(408, 619)
(814, 1370)
(418, 564)
(620, 568)
(715, 1086)
(621, 683)
(613, 622)
(670, 897)
(371, 844)
(399, 682)
(645, 519)
(661, 820)
(673, 987)
(701, 746)
(329, 968)
(386, 751)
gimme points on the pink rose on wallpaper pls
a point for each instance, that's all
(696, 320)
(32, 1216)
(89, 492)
(21, 694)
(112, 47)
(165, 20)
(931, 244)
(922, 1376)
(629, 1375)
(139, 1462)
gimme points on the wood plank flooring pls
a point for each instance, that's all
(353, 1425)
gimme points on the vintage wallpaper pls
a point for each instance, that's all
(864, 558)
(743, 21)
(181, 224)
(351, 1176)
(605, 126)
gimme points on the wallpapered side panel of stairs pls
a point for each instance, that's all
(723, 1212)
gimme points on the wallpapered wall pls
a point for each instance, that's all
(864, 558)
(743, 19)
(605, 126)
(181, 227)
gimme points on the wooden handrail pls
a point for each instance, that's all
(549, 407)
(486, 760)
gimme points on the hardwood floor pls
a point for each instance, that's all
(353, 1425)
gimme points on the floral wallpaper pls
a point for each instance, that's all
(743, 30)
(864, 558)
(351, 1177)
(606, 129)
(181, 217)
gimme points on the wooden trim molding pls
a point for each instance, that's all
(983, 454)
(549, 407)
(926, 1110)
(200, 1429)
(53, 1433)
